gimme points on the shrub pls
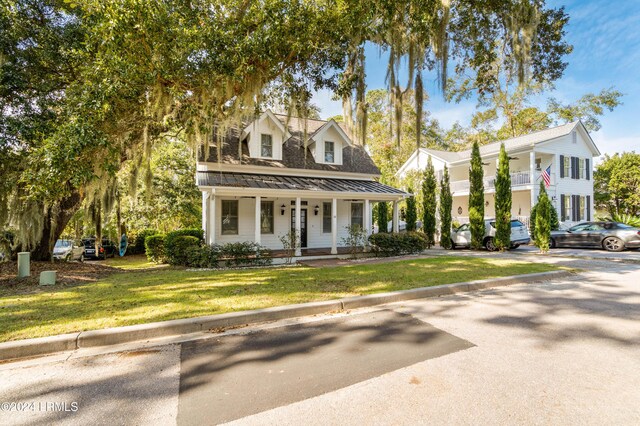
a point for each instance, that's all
(202, 256)
(138, 245)
(244, 254)
(179, 247)
(355, 239)
(395, 244)
(154, 248)
(290, 243)
(170, 239)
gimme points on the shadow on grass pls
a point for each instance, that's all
(148, 296)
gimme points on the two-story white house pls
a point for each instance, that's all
(566, 151)
(317, 185)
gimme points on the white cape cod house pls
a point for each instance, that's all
(566, 152)
(277, 185)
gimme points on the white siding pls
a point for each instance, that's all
(266, 126)
(282, 223)
(330, 135)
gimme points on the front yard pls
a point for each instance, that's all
(139, 293)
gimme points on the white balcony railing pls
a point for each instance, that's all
(517, 179)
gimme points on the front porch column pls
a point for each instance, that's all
(367, 218)
(532, 170)
(396, 217)
(205, 214)
(211, 220)
(258, 227)
(334, 226)
(298, 228)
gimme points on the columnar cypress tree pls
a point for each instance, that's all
(543, 220)
(383, 216)
(476, 198)
(503, 202)
(429, 187)
(412, 212)
(446, 202)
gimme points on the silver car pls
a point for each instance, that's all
(611, 236)
(461, 237)
(68, 250)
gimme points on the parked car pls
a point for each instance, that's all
(68, 250)
(461, 237)
(611, 236)
(106, 249)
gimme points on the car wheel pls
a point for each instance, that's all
(515, 246)
(613, 244)
(68, 258)
(489, 244)
(552, 243)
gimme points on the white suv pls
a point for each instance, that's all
(461, 237)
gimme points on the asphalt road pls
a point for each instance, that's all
(562, 352)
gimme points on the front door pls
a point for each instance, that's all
(303, 225)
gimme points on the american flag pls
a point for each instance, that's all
(546, 176)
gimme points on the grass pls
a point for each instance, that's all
(131, 263)
(148, 295)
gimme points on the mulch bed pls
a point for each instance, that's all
(68, 274)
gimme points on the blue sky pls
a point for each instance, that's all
(606, 39)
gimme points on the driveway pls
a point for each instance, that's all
(561, 352)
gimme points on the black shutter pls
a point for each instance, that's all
(588, 207)
(562, 166)
(574, 209)
(563, 211)
(587, 169)
(574, 169)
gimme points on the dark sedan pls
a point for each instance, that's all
(611, 236)
(104, 250)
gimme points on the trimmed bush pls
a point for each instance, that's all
(244, 254)
(138, 245)
(179, 248)
(171, 250)
(395, 244)
(154, 248)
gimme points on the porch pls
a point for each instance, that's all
(266, 209)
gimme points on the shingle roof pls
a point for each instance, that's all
(354, 158)
(293, 183)
(512, 144)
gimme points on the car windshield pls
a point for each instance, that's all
(63, 244)
(514, 224)
(580, 227)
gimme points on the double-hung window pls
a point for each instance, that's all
(567, 208)
(229, 217)
(581, 167)
(266, 217)
(326, 218)
(567, 166)
(357, 214)
(582, 208)
(266, 146)
(329, 152)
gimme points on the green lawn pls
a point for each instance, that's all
(130, 263)
(148, 295)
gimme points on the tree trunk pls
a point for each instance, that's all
(54, 224)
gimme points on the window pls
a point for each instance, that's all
(538, 164)
(329, 152)
(326, 217)
(581, 167)
(582, 208)
(357, 212)
(567, 208)
(567, 167)
(229, 217)
(266, 146)
(266, 217)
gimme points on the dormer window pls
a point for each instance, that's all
(266, 146)
(329, 152)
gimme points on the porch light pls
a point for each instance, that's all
(282, 209)
(316, 209)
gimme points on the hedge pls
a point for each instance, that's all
(394, 244)
(137, 246)
(180, 246)
(154, 248)
(171, 237)
(232, 254)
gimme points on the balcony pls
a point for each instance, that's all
(517, 179)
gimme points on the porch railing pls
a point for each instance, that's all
(517, 179)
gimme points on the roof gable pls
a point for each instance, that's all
(331, 124)
(268, 114)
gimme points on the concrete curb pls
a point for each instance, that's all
(127, 334)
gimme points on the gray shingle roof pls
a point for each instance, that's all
(293, 183)
(510, 145)
(354, 158)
